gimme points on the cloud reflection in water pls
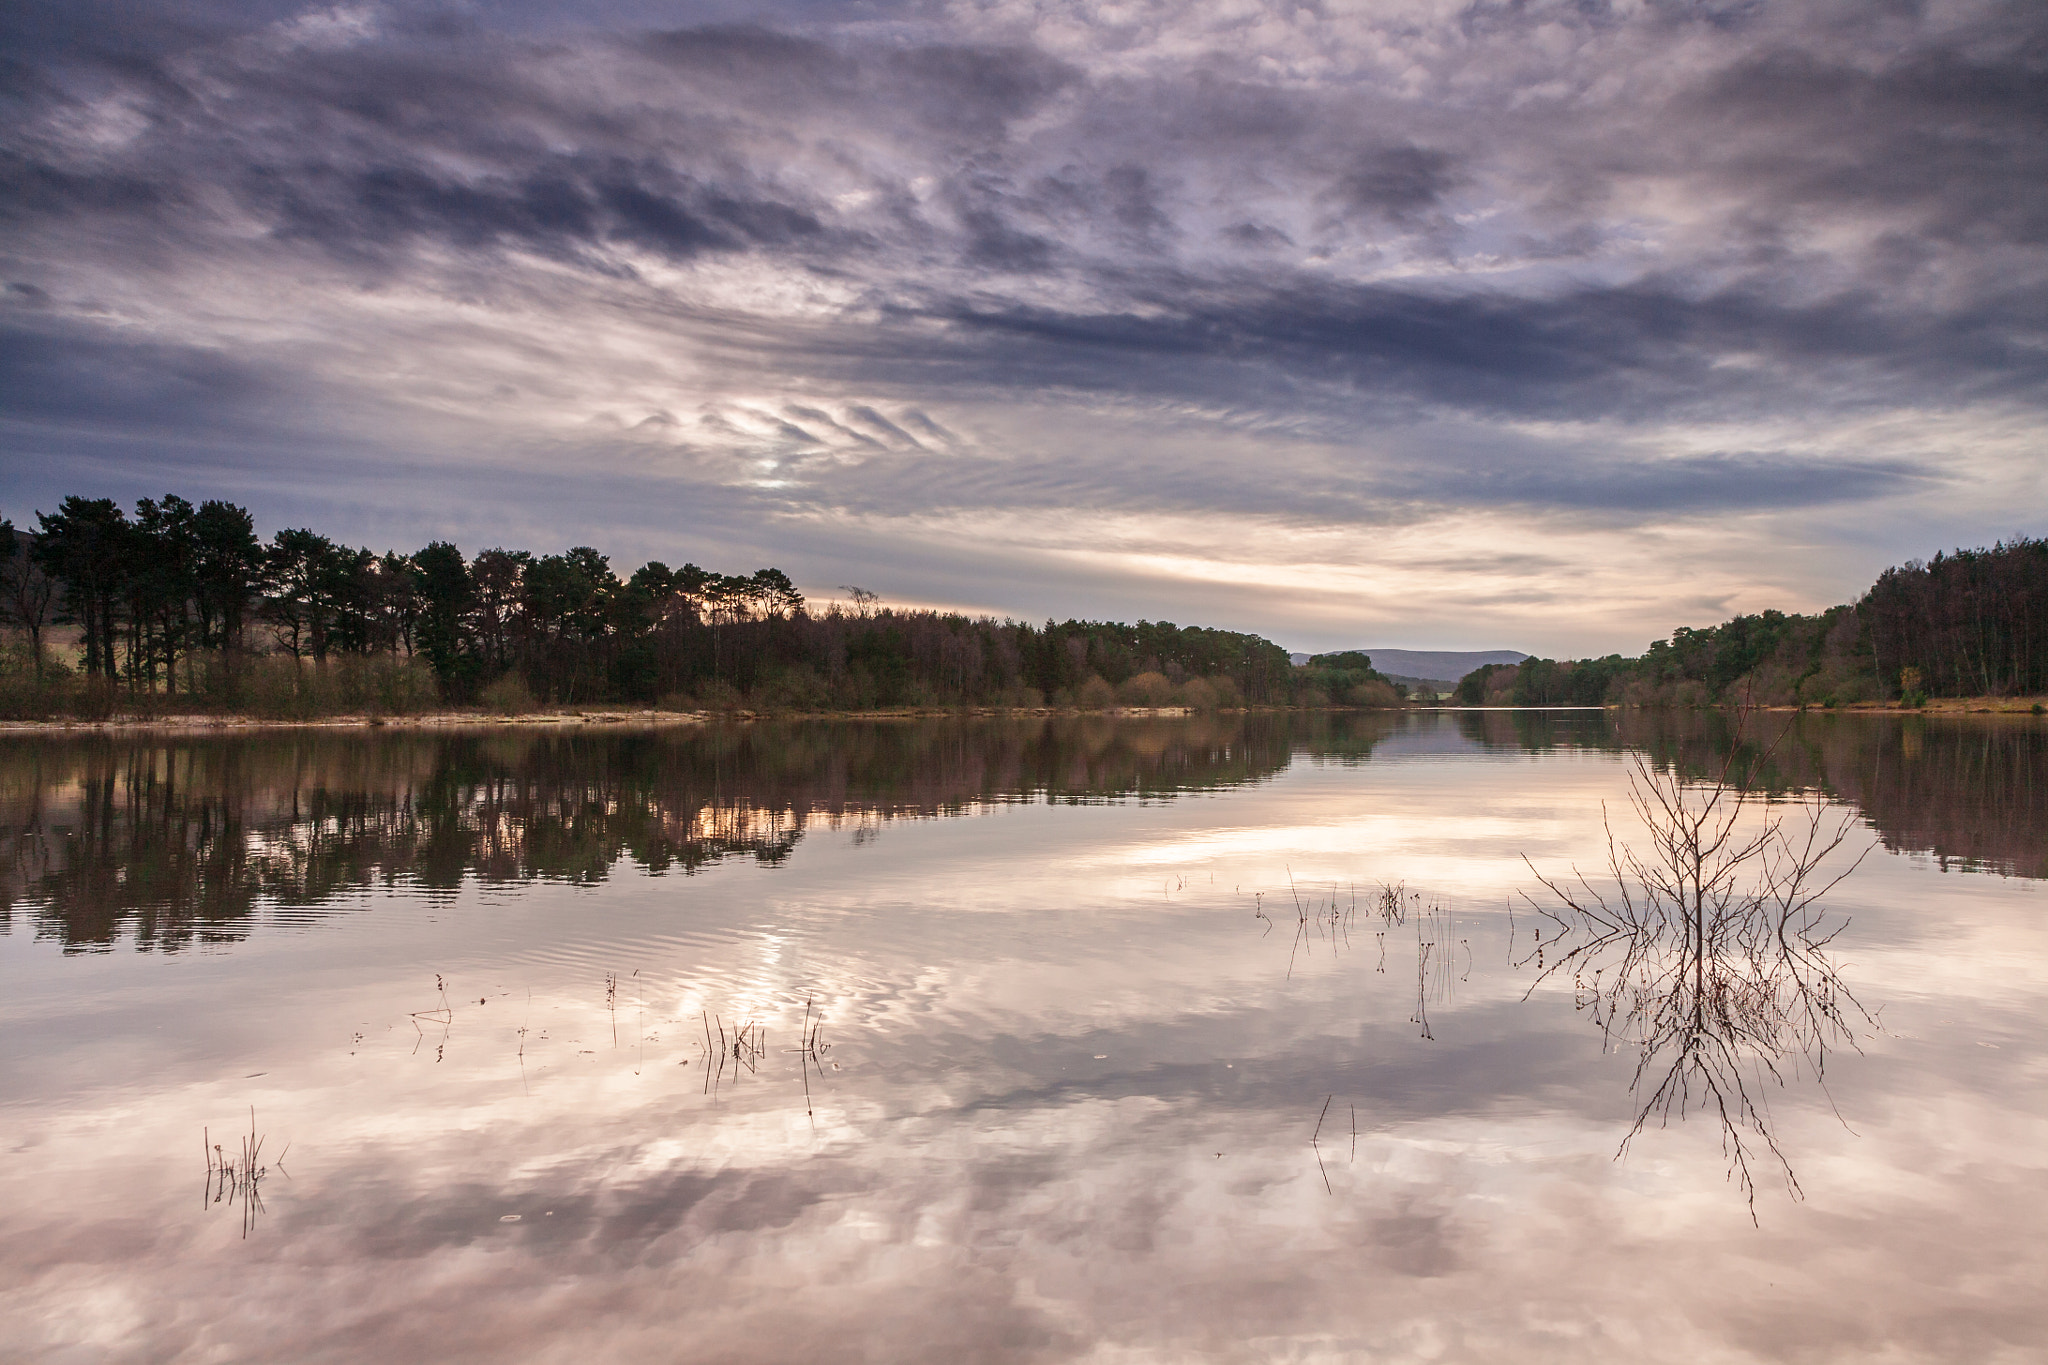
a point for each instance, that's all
(1075, 1090)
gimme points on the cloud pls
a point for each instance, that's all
(1397, 182)
(79, 378)
(1658, 262)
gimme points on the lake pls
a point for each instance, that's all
(1254, 1037)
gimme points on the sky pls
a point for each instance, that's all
(1545, 326)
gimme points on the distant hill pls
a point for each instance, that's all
(1443, 665)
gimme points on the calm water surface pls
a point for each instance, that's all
(1002, 1040)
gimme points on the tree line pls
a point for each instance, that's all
(184, 600)
(1971, 623)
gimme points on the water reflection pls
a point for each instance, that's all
(1971, 790)
(176, 841)
(235, 1175)
(1704, 950)
(1060, 1081)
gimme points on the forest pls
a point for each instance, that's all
(184, 608)
(1969, 624)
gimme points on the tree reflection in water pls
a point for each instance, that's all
(1967, 789)
(1705, 949)
(173, 841)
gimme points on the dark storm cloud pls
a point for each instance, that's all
(1630, 351)
(31, 189)
(562, 208)
(1962, 141)
(974, 93)
(1398, 182)
(72, 378)
(1385, 489)
(1733, 482)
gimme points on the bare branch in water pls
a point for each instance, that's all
(1706, 951)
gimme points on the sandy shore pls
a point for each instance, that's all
(1950, 706)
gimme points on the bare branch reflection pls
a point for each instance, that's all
(1706, 949)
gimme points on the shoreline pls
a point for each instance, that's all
(1934, 706)
(638, 717)
(643, 718)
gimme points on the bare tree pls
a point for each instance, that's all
(28, 595)
(863, 600)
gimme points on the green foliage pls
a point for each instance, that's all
(1474, 687)
(447, 595)
(1974, 622)
(1061, 657)
(89, 546)
(1347, 676)
(31, 693)
(183, 602)
(1572, 682)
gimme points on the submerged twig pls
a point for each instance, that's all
(1314, 1142)
(442, 1014)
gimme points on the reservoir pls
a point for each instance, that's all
(1239, 1037)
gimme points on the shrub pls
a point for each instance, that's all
(280, 687)
(1197, 695)
(1095, 695)
(1911, 692)
(401, 688)
(272, 688)
(1375, 694)
(791, 689)
(1767, 685)
(508, 696)
(1146, 689)
(27, 695)
(719, 696)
